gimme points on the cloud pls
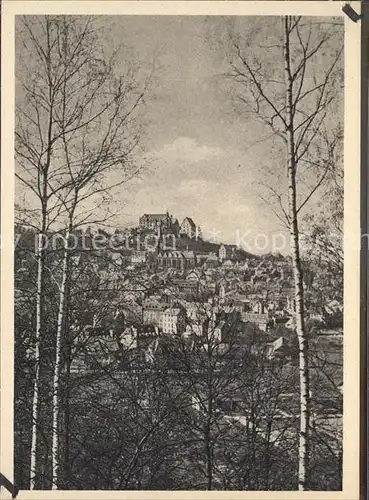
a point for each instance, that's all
(213, 185)
(188, 150)
(195, 188)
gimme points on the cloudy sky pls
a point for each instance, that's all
(202, 158)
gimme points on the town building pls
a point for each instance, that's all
(262, 321)
(290, 302)
(227, 252)
(173, 321)
(188, 227)
(129, 338)
(138, 257)
(277, 348)
(198, 328)
(239, 301)
(152, 311)
(258, 307)
(212, 261)
(219, 331)
(198, 233)
(186, 286)
(139, 336)
(195, 275)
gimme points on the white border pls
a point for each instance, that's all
(10, 8)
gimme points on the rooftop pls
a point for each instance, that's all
(190, 221)
(172, 311)
(154, 216)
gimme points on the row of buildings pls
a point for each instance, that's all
(184, 259)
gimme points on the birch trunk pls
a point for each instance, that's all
(297, 269)
(36, 384)
(56, 469)
(64, 448)
(43, 175)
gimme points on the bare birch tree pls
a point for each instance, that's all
(285, 91)
(35, 138)
(79, 132)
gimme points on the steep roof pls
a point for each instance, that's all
(153, 304)
(190, 221)
(155, 216)
(255, 317)
(188, 254)
(173, 311)
(229, 247)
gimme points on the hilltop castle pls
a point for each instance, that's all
(167, 223)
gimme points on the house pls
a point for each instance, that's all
(138, 257)
(139, 336)
(219, 331)
(186, 286)
(173, 321)
(129, 338)
(212, 261)
(210, 288)
(198, 328)
(227, 252)
(188, 227)
(287, 297)
(258, 307)
(291, 304)
(277, 348)
(196, 318)
(260, 320)
(226, 325)
(196, 311)
(152, 311)
(238, 301)
(195, 275)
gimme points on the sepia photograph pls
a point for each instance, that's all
(179, 247)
